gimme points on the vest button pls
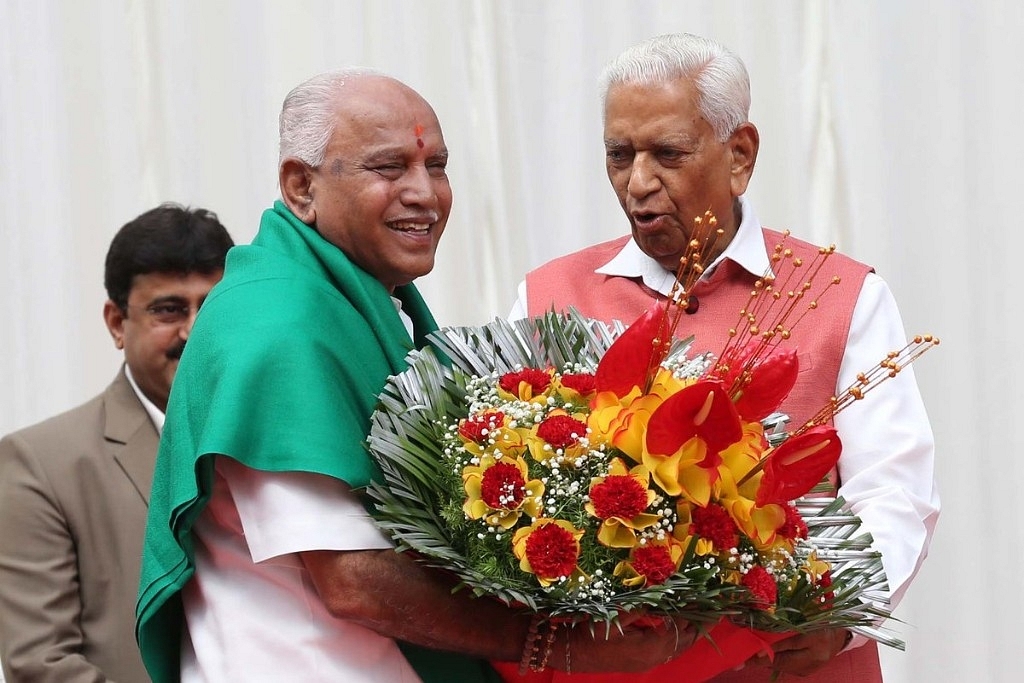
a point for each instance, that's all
(693, 305)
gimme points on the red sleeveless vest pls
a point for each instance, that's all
(820, 338)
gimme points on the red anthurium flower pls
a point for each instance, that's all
(628, 362)
(800, 463)
(703, 410)
(734, 361)
(770, 381)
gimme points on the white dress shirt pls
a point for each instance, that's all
(155, 414)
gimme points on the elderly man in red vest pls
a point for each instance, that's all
(678, 143)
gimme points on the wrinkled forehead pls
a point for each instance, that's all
(677, 91)
(632, 105)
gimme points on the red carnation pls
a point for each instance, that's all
(552, 552)
(475, 428)
(762, 587)
(654, 563)
(537, 379)
(502, 486)
(582, 383)
(619, 496)
(714, 523)
(558, 430)
(794, 527)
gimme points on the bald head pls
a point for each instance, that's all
(311, 111)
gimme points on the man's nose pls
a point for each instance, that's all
(418, 188)
(185, 329)
(643, 177)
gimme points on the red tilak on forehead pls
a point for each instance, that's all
(418, 131)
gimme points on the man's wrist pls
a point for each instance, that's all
(540, 640)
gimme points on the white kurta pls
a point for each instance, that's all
(252, 611)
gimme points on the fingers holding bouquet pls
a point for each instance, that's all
(804, 653)
(637, 643)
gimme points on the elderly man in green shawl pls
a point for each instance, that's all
(261, 562)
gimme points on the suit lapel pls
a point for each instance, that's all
(130, 434)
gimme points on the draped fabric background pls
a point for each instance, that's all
(888, 128)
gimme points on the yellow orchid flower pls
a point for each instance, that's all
(816, 568)
(622, 423)
(760, 524)
(741, 457)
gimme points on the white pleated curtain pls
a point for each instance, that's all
(887, 127)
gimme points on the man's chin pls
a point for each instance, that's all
(662, 249)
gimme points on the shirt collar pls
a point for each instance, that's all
(746, 249)
(155, 414)
(406, 320)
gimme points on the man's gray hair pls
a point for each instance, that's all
(719, 76)
(308, 115)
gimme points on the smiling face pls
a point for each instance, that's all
(667, 165)
(382, 194)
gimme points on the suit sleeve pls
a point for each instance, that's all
(40, 609)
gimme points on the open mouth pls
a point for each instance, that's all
(649, 221)
(418, 228)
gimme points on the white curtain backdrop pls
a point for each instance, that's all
(888, 127)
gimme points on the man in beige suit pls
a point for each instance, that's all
(74, 488)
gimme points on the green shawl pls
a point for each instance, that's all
(281, 372)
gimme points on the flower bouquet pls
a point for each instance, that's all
(579, 471)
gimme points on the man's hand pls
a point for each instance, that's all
(642, 644)
(802, 654)
(390, 593)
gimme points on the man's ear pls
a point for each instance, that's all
(114, 317)
(296, 180)
(743, 145)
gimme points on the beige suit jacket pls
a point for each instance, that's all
(73, 496)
